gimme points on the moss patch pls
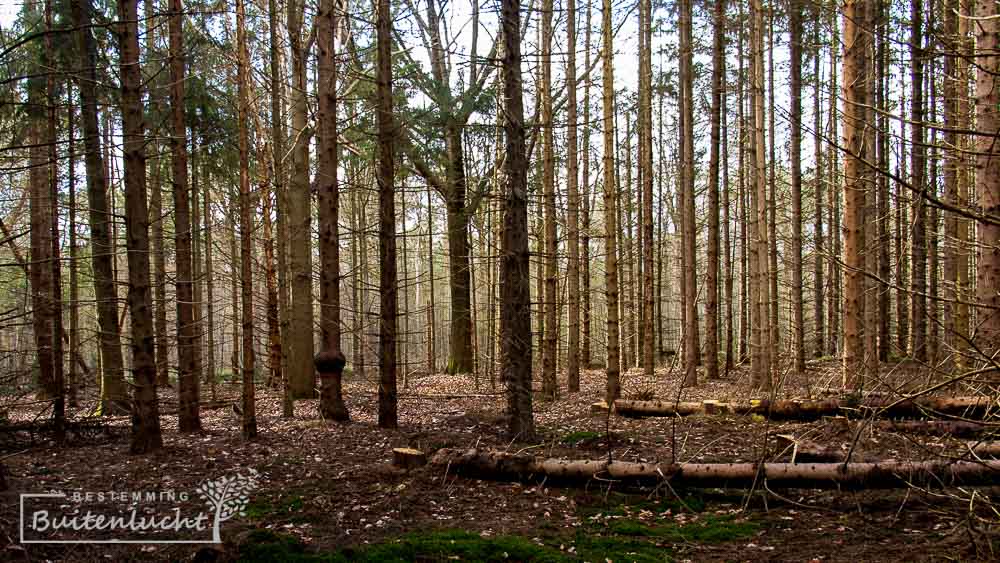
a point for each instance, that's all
(628, 530)
(574, 438)
(288, 505)
(458, 545)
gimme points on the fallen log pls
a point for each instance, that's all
(796, 409)
(955, 428)
(986, 449)
(889, 474)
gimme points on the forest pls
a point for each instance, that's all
(431, 280)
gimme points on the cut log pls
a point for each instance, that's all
(807, 451)
(600, 407)
(889, 474)
(637, 409)
(955, 428)
(408, 458)
(986, 449)
(795, 409)
(715, 407)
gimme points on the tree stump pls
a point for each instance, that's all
(599, 407)
(408, 458)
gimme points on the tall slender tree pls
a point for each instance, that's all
(573, 211)
(188, 361)
(249, 422)
(387, 217)
(515, 310)
(646, 166)
(613, 370)
(987, 32)
(918, 160)
(712, 279)
(146, 435)
(551, 305)
(761, 317)
(331, 396)
(795, 158)
(300, 367)
(856, 71)
(691, 348)
(113, 393)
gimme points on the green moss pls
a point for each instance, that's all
(616, 535)
(465, 546)
(616, 548)
(283, 506)
(263, 545)
(574, 438)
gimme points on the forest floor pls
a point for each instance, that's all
(328, 492)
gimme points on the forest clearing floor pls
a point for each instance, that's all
(329, 492)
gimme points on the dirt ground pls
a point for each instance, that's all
(329, 492)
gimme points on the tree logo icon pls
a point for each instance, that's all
(229, 496)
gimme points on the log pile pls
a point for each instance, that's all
(794, 409)
(888, 474)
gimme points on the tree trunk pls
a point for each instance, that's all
(550, 387)
(431, 333)
(795, 158)
(646, 117)
(156, 213)
(833, 193)
(573, 211)
(855, 82)
(761, 318)
(918, 256)
(712, 279)
(58, 384)
(145, 407)
(515, 296)
(278, 178)
(188, 362)
(210, 372)
(746, 272)
(956, 229)
(882, 146)
(613, 387)
(43, 235)
(113, 395)
(74, 284)
(387, 219)
(332, 405)
(727, 216)
(818, 179)
(691, 348)
(585, 349)
(249, 422)
(988, 175)
(301, 375)
(773, 327)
